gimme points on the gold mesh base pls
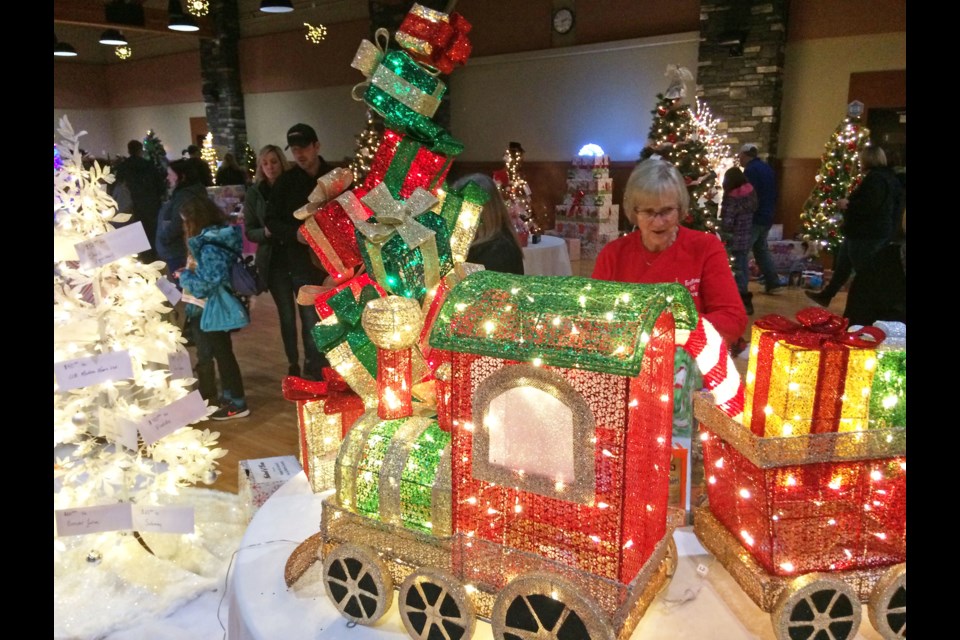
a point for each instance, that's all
(485, 568)
(761, 587)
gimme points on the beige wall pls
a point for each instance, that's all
(815, 80)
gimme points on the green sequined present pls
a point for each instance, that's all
(404, 271)
(568, 322)
(419, 476)
(888, 394)
(345, 326)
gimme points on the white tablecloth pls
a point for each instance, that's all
(548, 257)
(262, 608)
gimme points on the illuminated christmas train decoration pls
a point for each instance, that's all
(537, 488)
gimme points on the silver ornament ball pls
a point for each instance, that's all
(94, 557)
(210, 476)
(79, 419)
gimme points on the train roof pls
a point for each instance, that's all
(570, 322)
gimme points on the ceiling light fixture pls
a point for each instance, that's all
(178, 20)
(276, 6)
(113, 37)
(62, 49)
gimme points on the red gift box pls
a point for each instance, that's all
(330, 233)
(435, 38)
(355, 284)
(404, 164)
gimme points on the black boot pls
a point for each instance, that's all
(747, 302)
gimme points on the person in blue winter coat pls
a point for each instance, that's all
(212, 244)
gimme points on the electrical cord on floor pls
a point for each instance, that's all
(226, 581)
(691, 592)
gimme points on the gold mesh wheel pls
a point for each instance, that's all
(669, 563)
(817, 607)
(433, 604)
(546, 607)
(357, 583)
(887, 607)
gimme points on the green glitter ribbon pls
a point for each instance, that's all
(346, 327)
(461, 211)
(570, 322)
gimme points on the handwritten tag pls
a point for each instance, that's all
(108, 517)
(117, 429)
(169, 290)
(180, 366)
(178, 413)
(113, 245)
(163, 519)
(83, 372)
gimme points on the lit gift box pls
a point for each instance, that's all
(325, 412)
(330, 233)
(404, 164)
(461, 211)
(403, 92)
(888, 398)
(260, 479)
(809, 376)
(405, 245)
(435, 38)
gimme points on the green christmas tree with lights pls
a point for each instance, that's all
(154, 152)
(689, 140)
(368, 141)
(250, 161)
(209, 155)
(839, 174)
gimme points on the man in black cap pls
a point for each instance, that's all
(206, 174)
(290, 192)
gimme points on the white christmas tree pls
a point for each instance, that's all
(112, 312)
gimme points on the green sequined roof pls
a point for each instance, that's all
(568, 322)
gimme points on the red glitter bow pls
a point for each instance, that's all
(448, 42)
(816, 326)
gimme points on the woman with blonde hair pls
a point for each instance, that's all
(495, 245)
(271, 163)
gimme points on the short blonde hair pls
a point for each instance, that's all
(658, 177)
(871, 157)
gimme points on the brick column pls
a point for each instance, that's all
(220, 72)
(740, 68)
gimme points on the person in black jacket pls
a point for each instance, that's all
(495, 246)
(870, 219)
(291, 260)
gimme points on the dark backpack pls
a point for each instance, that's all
(245, 279)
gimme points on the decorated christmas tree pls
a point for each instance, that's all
(250, 161)
(368, 141)
(839, 174)
(209, 154)
(688, 139)
(154, 152)
(516, 192)
(121, 415)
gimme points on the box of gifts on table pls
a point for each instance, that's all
(809, 376)
(259, 479)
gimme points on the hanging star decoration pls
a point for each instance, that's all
(123, 52)
(315, 34)
(198, 7)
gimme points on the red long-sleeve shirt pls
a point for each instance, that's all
(696, 260)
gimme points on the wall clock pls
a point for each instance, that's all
(563, 20)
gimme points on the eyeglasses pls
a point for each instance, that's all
(650, 214)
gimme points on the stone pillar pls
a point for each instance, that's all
(740, 68)
(220, 72)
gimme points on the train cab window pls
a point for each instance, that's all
(534, 432)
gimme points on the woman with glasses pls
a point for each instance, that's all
(660, 250)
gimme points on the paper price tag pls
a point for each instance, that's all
(180, 366)
(117, 429)
(113, 245)
(83, 372)
(162, 519)
(169, 290)
(178, 413)
(96, 519)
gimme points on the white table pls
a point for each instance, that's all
(548, 257)
(262, 608)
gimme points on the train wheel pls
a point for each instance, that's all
(817, 607)
(546, 607)
(358, 583)
(887, 607)
(433, 604)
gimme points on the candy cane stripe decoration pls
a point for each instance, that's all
(720, 376)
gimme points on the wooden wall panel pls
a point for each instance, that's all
(79, 86)
(172, 79)
(795, 177)
(812, 19)
(879, 89)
